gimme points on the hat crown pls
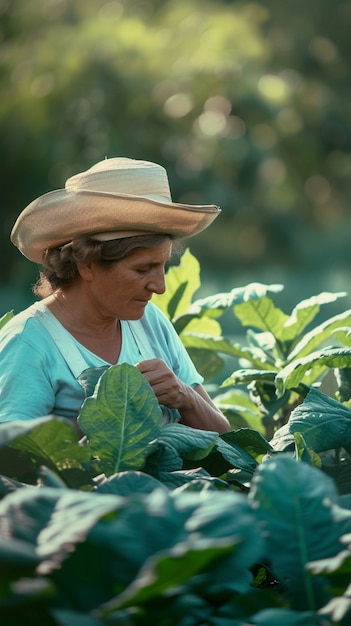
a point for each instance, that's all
(123, 176)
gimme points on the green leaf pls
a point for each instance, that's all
(129, 483)
(226, 456)
(239, 409)
(90, 377)
(238, 400)
(279, 617)
(323, 422)
(305, 312)
(262, 313)
(196, 479)
(220, 344)
(248, 375)
(203, 326)
(182, 281)
(121, 419)
(214, 306)
(343, 379)
(343, 336)
(190, 443)
(167, 571)
(52, 442)
(163, 458)
(17, 557)
(117, 535)
(298, 507)
(283, 440)
(8, 485)
(315, 364)
(320, 334)
(6, 318)
(207, 362)
(250, 440)
(240, 295)
(304, 453)
(235, 455)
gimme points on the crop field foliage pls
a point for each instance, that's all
(140, 523)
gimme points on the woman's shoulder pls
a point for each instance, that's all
(23, 322)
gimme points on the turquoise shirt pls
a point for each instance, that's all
(35, 379)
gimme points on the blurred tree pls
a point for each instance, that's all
(247, 104)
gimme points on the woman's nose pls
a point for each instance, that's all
(157, 283)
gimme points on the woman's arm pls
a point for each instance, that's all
(202, 413)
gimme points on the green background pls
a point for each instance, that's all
(246, 104)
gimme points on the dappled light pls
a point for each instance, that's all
(245, 103)
(273, 88)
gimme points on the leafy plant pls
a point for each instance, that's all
(141, 522)
(278, 353)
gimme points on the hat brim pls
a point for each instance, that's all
(60, 216)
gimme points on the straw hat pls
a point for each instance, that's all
(115, 198)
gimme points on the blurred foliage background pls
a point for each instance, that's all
(246, 104)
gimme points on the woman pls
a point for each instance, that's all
(103, 243)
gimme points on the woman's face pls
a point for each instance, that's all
(123, 290)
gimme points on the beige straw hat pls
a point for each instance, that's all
(115, 198)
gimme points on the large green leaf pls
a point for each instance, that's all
(261, 313)
(249, 374)
(296, 503)
(250, 440)
(176, 444)
(308, 369)
(305, 312)
(214, 306)
(116, 536)
(324, 422)
(166, 572)
(190, 443)
(236, 456)
(225, 456)
(252, 292)
(50, 441)
(210, 553)
(129, 483)
(320, 335)
(222, 345)
(121, 419)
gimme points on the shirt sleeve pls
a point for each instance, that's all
(35, 380)
(26, 391)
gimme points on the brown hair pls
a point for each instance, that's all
(60, 265)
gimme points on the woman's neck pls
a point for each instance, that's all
(101, 336)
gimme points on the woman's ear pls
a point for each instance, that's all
(86, 272)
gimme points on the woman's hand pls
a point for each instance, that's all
(168, 389)
(194, 404)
